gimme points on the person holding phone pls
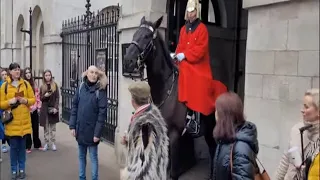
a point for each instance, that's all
(33, 139)
(49, 112)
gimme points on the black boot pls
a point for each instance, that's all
(211, 151)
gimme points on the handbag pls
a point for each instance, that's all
(257, 174)
(51, 110)
(7, 116)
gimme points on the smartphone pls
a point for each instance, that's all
(19, 94)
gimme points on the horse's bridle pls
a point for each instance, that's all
(146, 51)
(143, 56)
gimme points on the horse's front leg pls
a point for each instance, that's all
(174, 153)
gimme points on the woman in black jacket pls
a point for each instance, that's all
(235, 136)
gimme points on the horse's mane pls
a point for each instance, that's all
(166, 51)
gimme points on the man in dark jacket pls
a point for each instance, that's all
(88, 114)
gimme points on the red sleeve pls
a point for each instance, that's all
(197, 51)
(180, 46)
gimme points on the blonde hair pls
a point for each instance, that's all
(314, 94)
(44, 87)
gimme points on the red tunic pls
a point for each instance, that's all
(196, 88)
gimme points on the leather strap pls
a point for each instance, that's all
(257, 169)
(231, 158)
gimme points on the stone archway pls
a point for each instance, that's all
(20, 50)
(226, 23)
(227, 37)
(37, 35)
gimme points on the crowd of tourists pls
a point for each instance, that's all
(24, 106)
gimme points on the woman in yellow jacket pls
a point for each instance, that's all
(16, 92)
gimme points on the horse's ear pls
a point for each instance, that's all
(143, 19)
(158, 22)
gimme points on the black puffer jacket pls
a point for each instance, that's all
(244, 152)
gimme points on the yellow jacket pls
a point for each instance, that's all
(21, 123)
(314, 171)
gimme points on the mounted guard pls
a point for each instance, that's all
(197, 89)
(147, 142)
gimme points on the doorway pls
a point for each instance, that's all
(226, 21)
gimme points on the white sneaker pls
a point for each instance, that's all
(53, 147)
(45, 147)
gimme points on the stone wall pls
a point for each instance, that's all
(282, 63)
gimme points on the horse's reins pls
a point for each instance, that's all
(144, 53)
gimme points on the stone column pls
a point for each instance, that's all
(6, 32)
(52, 57)
(282, 63)
(131, 13)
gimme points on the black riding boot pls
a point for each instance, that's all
(211, 151)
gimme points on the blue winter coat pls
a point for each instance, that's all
(88, 112)
(245, 150)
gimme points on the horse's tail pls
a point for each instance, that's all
(148, 148)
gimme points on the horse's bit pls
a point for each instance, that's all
(146, 51)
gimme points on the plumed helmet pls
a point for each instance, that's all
(191, 6)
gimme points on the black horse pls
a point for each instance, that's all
(148, 48)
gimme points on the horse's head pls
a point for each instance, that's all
(142, 44)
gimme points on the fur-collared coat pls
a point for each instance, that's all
(147, 147)
(88, 111)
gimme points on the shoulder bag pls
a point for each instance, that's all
(257, 174)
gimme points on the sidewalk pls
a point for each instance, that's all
(63, 164)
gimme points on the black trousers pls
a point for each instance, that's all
(35, 132)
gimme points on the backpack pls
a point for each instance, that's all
(6, 86)
(97, 91)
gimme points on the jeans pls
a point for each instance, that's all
(17, 153)
(93, 153)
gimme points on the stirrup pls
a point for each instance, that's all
(193, 124)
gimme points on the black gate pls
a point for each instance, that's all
(91, 39)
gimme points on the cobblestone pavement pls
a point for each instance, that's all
(63, 164)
